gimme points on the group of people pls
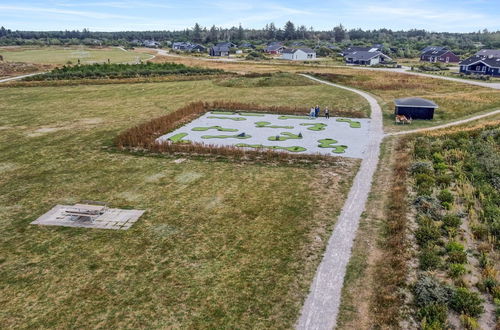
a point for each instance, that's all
(315, 112)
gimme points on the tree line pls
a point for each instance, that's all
(399, 40)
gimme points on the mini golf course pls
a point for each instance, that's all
(334, 136)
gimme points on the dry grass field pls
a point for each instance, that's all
(221, 243)
(456, 100)
(63, 55)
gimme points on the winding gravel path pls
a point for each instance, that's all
(321, 307)
(322, 304)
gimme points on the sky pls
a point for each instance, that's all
(137, 15)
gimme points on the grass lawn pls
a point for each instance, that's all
(62, 55)
(221, 244)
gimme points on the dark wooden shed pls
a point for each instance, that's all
(415, 108)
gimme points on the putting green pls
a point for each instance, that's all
(230, 118)
(237, 136)
(252, 114)
(329, 143)
(266, 124)
(353, 124)
(287, 136)
(219, 128)
(292, 149)
(178, 137)
(295, 117)
(222, 113)
(315, 127)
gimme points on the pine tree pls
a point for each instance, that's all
(196, 33)
(289, 32)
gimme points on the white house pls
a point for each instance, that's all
(298, 54)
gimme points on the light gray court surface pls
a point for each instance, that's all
(356, 139)
(110, 219)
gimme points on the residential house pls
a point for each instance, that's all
(353, 49)
(438, 54)
(487, 63)
(222, 49)
(489, 52)
(370, 57)
(247, 45)
(188, 47)
(298, 54)
(151, 44)
(274, 48)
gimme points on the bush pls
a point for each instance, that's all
(445, 196)
(443, 180)
(427, 232)
(421, 167)
(452, 221)
(456, 270)
(427, 205)
(437, 158)
(456, 253)
(429, 259)
(464, 301)
(425, 183)
(428, 290)
(433, 316)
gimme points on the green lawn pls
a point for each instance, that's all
(221, 244)
(60, 55)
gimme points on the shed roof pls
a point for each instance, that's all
(489, 52)
(416, 102)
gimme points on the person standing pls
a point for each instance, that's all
(316, 111)
(312, 113)
(327, 113)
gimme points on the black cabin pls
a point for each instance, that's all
(415, 108)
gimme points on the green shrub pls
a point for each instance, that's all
(454, 246)
(428, 290)
(429, 259)
(457, 257)
(427, 233)
(425, 183)
(433, 316)
(437, 158)
(466, 302)
(443, 180)
(456, 270)
(445, 196)
(428, 205)
(451, 221)
(421, 167)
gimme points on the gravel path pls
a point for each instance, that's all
(19, 77)
(322, 304)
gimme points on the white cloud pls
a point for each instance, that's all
(87, 14)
